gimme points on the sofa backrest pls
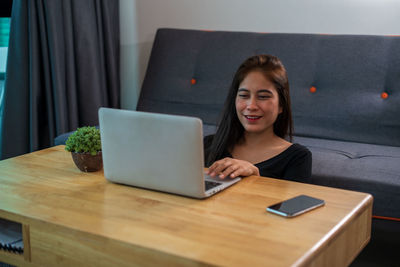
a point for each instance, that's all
(190, 71)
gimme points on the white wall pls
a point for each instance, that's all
(141, 18)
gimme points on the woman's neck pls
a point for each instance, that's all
(260, 139)
(256, 148)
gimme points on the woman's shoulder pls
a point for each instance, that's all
(298, 151)
(295, 161)
(292, 153)
(296, 147)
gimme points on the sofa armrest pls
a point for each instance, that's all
(62, 138)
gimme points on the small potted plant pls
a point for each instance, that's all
(85, 147)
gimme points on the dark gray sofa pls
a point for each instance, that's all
(350, 121)
(353, 133)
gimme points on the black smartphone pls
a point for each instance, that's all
(295, 206)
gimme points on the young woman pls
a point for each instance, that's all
(256, 119)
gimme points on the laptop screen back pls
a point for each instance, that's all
(155, 151)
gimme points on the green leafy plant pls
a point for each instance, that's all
(84, 139)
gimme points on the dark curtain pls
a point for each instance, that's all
(63, 64)
(5, 8)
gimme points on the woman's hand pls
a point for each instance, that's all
(229, 167)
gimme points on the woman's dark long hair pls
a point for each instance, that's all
(230, 130)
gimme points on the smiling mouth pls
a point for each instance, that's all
(252, 118)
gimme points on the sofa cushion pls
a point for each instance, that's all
(374, 169)
(62, 138)
(349, 73)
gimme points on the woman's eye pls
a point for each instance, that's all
(243, 95)
(263, 96)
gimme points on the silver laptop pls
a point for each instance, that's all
(156, 151)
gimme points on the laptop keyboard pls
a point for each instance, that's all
(211, 184)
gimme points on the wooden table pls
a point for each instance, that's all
(72, 218)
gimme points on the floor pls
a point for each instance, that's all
(384, 248)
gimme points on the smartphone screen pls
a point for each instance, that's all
(295, 206)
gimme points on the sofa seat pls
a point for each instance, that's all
(361, 167)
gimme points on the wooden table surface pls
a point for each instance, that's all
(72, 218)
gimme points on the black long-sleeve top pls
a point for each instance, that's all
(292, 164)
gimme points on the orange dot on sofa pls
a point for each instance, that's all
(384, 95)
(193, 81)
(313, 89)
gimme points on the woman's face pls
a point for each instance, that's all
(257, 103)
